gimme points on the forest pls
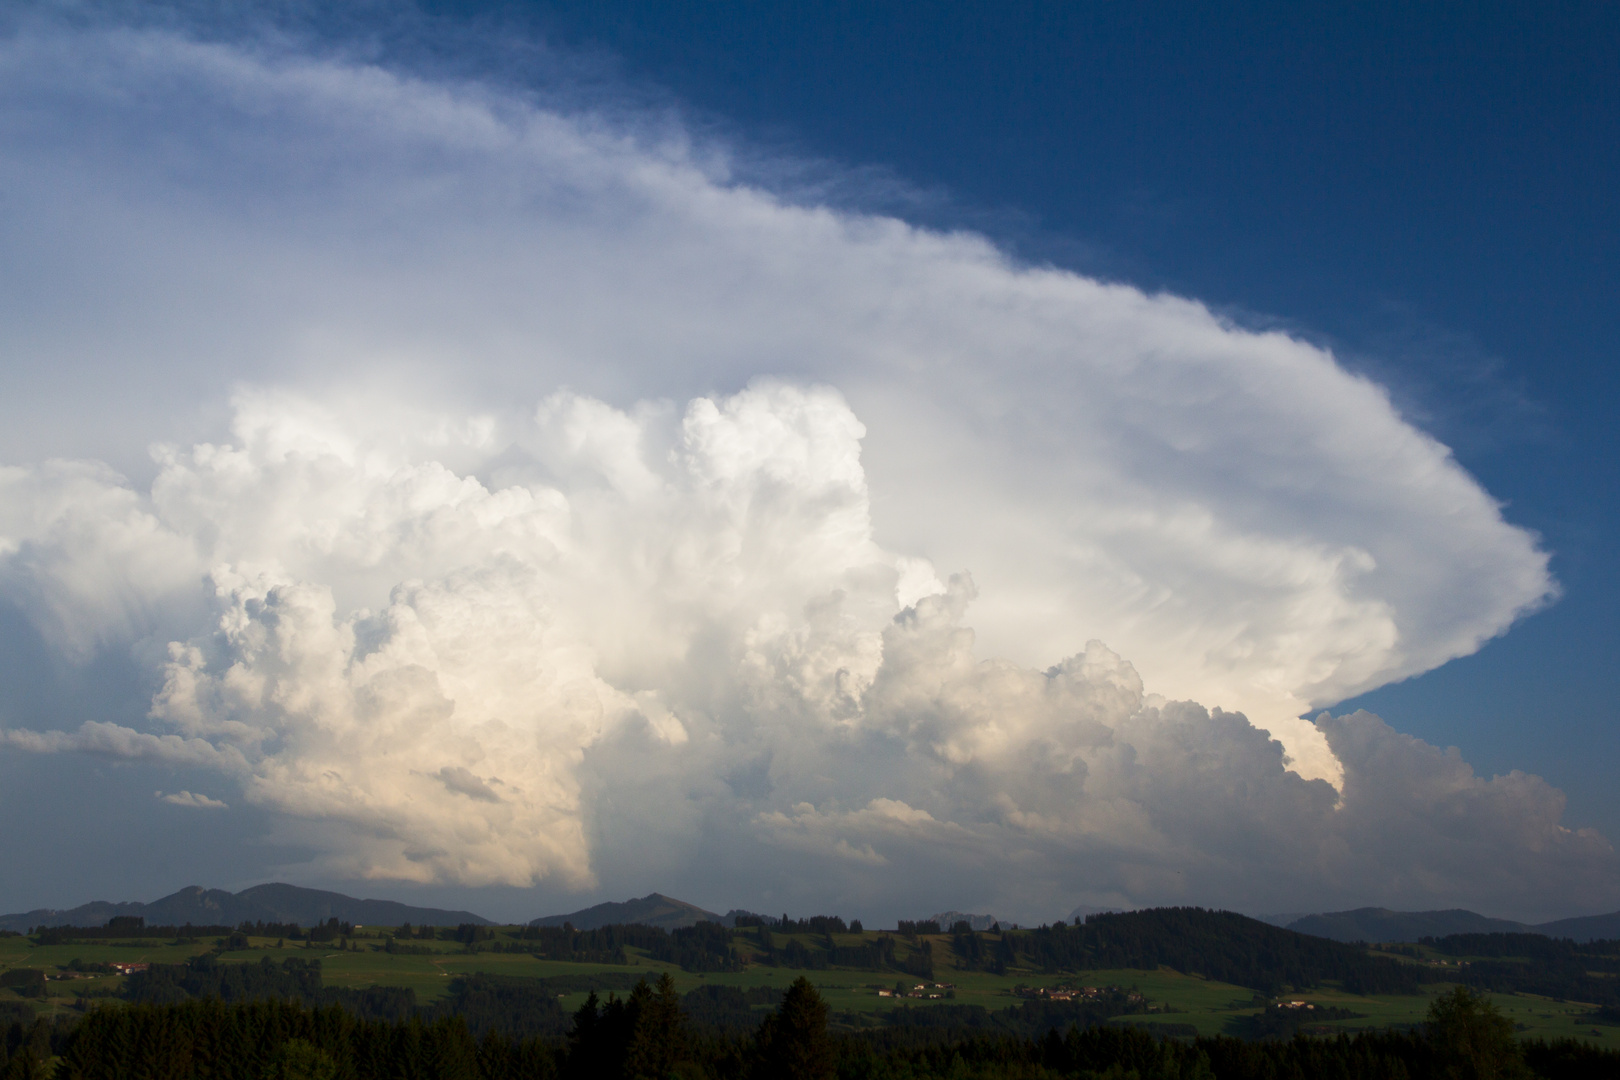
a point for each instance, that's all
(652, 1034)
(1533, 964)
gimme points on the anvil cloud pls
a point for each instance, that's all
(532, 496)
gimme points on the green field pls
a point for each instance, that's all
(1172, 997)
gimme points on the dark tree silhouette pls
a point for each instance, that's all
(657, 1032)
(1472, 1040)
(793, 1042)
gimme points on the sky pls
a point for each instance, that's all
(854, 459)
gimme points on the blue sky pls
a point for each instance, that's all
(514, 456)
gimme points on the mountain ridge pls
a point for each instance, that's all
(284, 903)
(1383, 924)
(269, 902)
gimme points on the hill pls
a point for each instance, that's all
(1382, 924)
(273, 902)
(654, 909)
(1585, 928)
(1219, 945)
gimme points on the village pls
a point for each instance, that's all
(931, 991)
(91, 971)
(1063, 992)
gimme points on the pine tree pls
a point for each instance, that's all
(301, 1060)
(793, 1042)
(658, 1034)
(585, 1039)
(25, 1066)
(454, 1055)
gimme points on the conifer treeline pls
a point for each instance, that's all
(648, 1036)
(704, 947)
(643, 1035)
(134, 928)
(291, 980)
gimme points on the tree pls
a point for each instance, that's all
(793, 1042)
(1472, 1040)
(29, 982)
(658, 1034)
(299, 1059)
(25, 1066)
(585, 1050)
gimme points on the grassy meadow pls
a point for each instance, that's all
(1172, 997)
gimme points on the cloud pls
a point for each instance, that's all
(115, 741)
(536, 498)
(84, 557)
(187, 798)
(462, 782)
(1255, 527)
(678, 638)
(836, 833)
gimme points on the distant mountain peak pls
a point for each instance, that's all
(948, 919)
(654, 909)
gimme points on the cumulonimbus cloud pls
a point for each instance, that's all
(687, 638)
(560, 456)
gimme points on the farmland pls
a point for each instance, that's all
(1171, 997)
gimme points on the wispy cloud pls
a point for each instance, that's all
(113, 740)
(191, 799)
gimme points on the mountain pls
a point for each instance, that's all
(272, 902)
(1584, 928)
(1381, 924)
(654, 909)
(948, 919)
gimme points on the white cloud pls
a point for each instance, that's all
(191, 799)
(579, 504)
(115, 741)
(446, 728)
(567, 674)
(83, 556)
(850, 834)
